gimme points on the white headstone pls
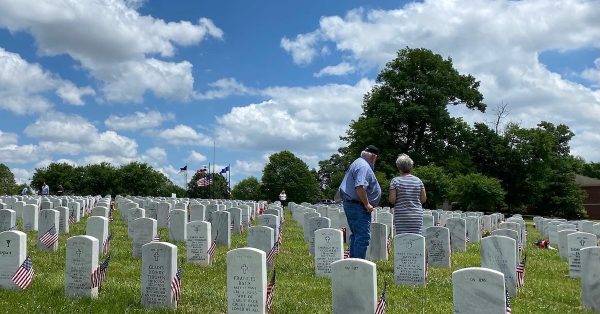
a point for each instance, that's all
(144, 231)
(575, 242)
(590, 278)
(30, 217)
(47, 228)
(178, 225)
(13, 251)
(409, 259)
(437, 244)
(498, 253)
(159, 265)
(246, 281)
(81, 261)
(199, 239)
(478, 290)
(329, 248)
(354, 286)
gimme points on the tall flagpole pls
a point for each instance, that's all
(213, 170)
(229, 179)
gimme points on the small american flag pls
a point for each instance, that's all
(156, 238)
(213, 247)
(270, 292)
(176, 285)
(508, 309)
(520, 247)
(204, 181)
(24, 274)
(521, 272)
(380, 309)
(99, 273)
(346, 254)
(110, 215)
(271, 256)
(231, 227)
(13, 228)
(344, 230)
(72, 218)
(280, 236)
(106, 244)
(50, 237)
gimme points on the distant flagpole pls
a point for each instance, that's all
(229, 179)
(213, 171)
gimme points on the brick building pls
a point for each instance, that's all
(592, 202)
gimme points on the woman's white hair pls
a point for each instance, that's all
(404, 163)
(366, 154)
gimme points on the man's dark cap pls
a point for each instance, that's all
(372, 149)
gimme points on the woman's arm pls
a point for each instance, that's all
(423, 196)
(392, 197)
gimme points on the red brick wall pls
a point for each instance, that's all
(592, 202)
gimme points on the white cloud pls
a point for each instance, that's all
(196, 157)
(184, 135)
(110, 143)
(224, 88)
(19, 154)
(503, 55)
(138, 120)
(155, 155)
(307, 119)
(249, 167)
(21, 175)
(340, 69)
(302, 47)
(115, 45)
(593, 74)
(60, 127)
(24, 87)
(7, 138)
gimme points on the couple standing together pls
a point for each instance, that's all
(361, 192)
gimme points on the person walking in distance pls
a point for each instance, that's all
(360, 192)
(45, 189)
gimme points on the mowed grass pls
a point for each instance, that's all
(548, 289)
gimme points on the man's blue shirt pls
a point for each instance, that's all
(360, 173)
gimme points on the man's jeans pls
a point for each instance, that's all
(359, 222)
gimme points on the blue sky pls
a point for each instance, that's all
(161, 81)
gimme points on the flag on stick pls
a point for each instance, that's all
(176, 285)
(156, 238)
(50, 237)
(99, 273)
(72, 218)
(521, 272)
(106, 244)
(24, 274)
(213, 247)
(274, 251)
(380, 309)
(270, 292)
(184, 168)
(346, 254)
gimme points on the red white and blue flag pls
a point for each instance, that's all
(176, 285)
(50, 237)
(72, 218)
(213, 247)
(270, 292)
(106, 244)
(380, 309)
(156, 238)
(204, 181)
(24, 274)
(521, 272)
(99, 273)
(272, 253)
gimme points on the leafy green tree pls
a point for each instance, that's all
(406, 112)
(285, 171)
(97, 179)
(437, 184)
(247, 189)
(476, 192)
(56, 174)
(8, 185)
(217, 190)
(560, 196)
(331, 173)
(140, 179)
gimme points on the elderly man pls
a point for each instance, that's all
(360, 192)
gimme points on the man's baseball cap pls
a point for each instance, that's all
(372, 149)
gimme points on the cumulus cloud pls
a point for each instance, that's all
(138, 120)
(24, 87)
(19, 154)
(504, 54)
(196, 157)
(7, 138)
(249, 167)
(113, 42)
(156, 154)
(336, 70)
(593, 74)
(224, 88)
(184, 135)
(300, 119)
(21, 175)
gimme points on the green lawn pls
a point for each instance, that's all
(548, 289)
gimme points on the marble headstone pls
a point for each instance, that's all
(178, 225)
(30, 218)
(144, 230)
(477, 290)
(590, 278)
(458, 232)
(437, 244)
(498, 253)
(354, 286)
(199, 239)
(575, 242)
(159, 265)
(329, 248)
(13, 251)
(48, 223)
(409, 259)
(8, 220)
(246, 281)
(315, 224)
(81, 261)
(220, 224)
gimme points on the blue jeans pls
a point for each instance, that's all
(359, 222)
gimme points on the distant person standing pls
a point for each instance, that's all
(24, 191)
(59, 190)
(407, 194)
(282, 198)
(45, 189)
(360, 192)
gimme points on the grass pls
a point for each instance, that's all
(548, 289)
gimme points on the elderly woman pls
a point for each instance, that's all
(407, 193)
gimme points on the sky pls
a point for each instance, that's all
(178, 82)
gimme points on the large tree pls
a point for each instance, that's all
(285, 171)
(8, 185)
(140, 179)
(56, 174)
(406, 111)
(218, 189)
(247, 189)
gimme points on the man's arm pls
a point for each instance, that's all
(362, 197)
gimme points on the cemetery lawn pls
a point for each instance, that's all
(548, 288)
